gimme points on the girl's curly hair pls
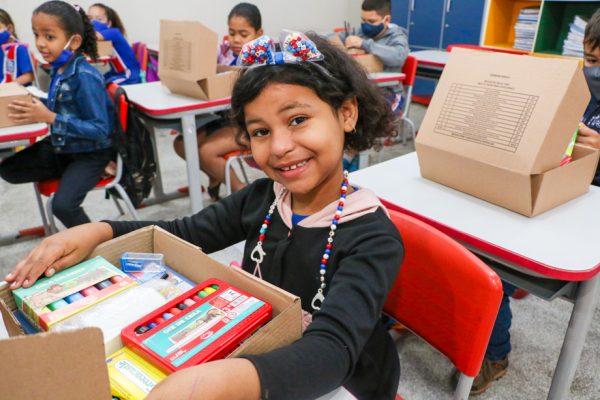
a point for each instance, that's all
(335, 79)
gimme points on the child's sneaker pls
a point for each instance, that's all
(490, 372)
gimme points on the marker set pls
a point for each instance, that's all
(70, 291)
(205, 323)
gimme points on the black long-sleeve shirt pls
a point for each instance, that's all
(346, 344)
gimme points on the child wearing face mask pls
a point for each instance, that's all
(124, 69)
(589, 128)
(78, 110)
(378, 36)
(15, 61)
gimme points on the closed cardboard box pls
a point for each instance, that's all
(188, 61)
(10, 92)
(38, 366)
(498, 126)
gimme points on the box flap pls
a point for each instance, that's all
(12, 325)
(66, 365)
(219, 86)
(566, 182)
(12, 89)
(188, 51)
(513, 111)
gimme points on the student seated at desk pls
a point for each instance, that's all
(385, 40)
(306, 229)
(125, 69)
(15, 62)
(78, 110)
(589, 129)
(217, 138)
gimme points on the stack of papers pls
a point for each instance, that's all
(573, 44)
(525, 28)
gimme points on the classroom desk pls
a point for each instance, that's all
(386, 79)
(157, 102)
(551, 255)
(19, 133)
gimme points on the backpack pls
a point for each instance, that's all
(148, 62)
(134, 145)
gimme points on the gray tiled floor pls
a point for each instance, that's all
(537, 331)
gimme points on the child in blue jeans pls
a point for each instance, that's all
(78, 109)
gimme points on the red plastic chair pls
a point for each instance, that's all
(445, 295)
(237, 156)
(49, 187)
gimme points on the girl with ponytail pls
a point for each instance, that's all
(78, 110)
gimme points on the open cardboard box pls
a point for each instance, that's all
(105, 48)
(34, 366)
(498, 126)
(10, 92)
(369, 62)
(188, 61)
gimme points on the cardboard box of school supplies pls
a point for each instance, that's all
(10, 92)
(369, 62)
(51, 359)
(498, 126)
(188, 61)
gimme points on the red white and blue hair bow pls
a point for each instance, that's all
(295, 46)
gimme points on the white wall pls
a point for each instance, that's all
(141, 17)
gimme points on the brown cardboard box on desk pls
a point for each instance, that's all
(369, 62)
(188, 61)
(10, 92)
(71, 364)
(498, 126)
(105, 48)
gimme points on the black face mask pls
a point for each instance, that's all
(592, 77)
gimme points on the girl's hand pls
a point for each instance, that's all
(57, 252)
(211, 381)
(25, 112)
(588, 137)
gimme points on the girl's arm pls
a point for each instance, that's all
(59, 251)
(233, 378)
(25, 79)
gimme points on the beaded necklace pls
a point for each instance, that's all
(258, 253)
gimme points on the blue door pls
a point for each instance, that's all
(401, 12)
(425, 27)
(462, 22)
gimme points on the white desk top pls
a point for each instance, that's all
(561, 243)
(22, 132)
(431, 57)
(382, 77)
(155, 99)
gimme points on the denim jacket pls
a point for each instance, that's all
(84, 112)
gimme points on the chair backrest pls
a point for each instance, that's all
(409, 69)
(444, 294)
(120, 101)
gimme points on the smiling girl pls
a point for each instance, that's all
(307, 230)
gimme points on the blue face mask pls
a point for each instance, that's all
(64, 56)
(99, 26)
(4, 36)
(592, 77)
(371, 31)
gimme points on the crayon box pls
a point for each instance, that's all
(51, 300)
